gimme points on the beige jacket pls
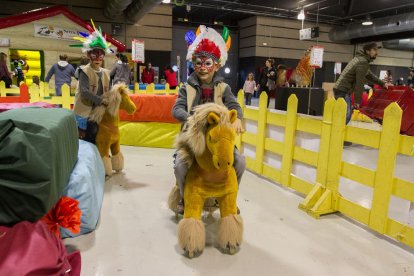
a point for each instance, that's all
(82, 106)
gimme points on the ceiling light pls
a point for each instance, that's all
(301, 14)
(186, 19)
(166, 1)
(367, 21)
(215, 22)
(264, 43)
(227, 70)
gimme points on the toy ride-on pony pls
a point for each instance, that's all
(207, 145)
(107, 117)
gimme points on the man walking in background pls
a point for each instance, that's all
(63, 72)
(355, 75)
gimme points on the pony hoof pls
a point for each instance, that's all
(193, 254)
(232, 249)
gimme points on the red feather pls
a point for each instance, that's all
(209, 46)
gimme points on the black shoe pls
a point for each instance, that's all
(180, 207)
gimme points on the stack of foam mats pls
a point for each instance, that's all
(152, 125)
(86, 184)
(403, 96)
(31, 249)
(38, 151)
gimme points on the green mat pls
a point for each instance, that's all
(38, 150)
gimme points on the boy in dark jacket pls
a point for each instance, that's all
(208, 53)
(63, 72)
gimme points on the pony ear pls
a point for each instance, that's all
(233, 115)
(213, 118)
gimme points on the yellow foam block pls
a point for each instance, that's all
(148, 134)
(359, 117)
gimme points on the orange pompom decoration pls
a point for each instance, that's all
(66, 214)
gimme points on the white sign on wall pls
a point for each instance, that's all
(316, 58)
(383, 74)
(54, 32)
(138, 51)
(305, 34)
(4, 42)
(338, 68)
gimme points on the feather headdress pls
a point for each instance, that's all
(93, 40)
(211, 44)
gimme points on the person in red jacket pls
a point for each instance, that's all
(147, 75)
(171, 77)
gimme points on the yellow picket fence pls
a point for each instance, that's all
(43, 93)
(322, 196)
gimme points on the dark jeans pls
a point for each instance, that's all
(347, 98)
(7, 81)
(91, 131)
(266, 90)
(248, 97)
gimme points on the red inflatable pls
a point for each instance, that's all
(403, 96)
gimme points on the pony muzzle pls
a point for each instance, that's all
(222, 163)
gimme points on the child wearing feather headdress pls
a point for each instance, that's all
(208, 53)
(94, 81)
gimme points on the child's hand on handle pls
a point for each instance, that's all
(388, 85)
(238, 126)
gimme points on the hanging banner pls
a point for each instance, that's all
(316, 58)
(338, 68)
(54, 32)
(138, 51)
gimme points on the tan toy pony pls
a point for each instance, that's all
(207, 144)
(107, 117)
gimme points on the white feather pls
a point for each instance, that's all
(212, 35)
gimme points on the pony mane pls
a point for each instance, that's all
(191, 142)
(113, 98)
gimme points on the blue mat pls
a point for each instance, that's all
(86, 184)
(157, 86)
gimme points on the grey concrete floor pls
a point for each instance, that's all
(137, 233)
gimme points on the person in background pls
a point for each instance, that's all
(171, 77)
(83, 62)
(354, 76)
(18, 72)
(63, 72)
(147, 75)
(36, 80)
(249, 87)
(5, 74)
(121, 72)
(410, 79)
(388, 77)
(400, 82)
(267, 79)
